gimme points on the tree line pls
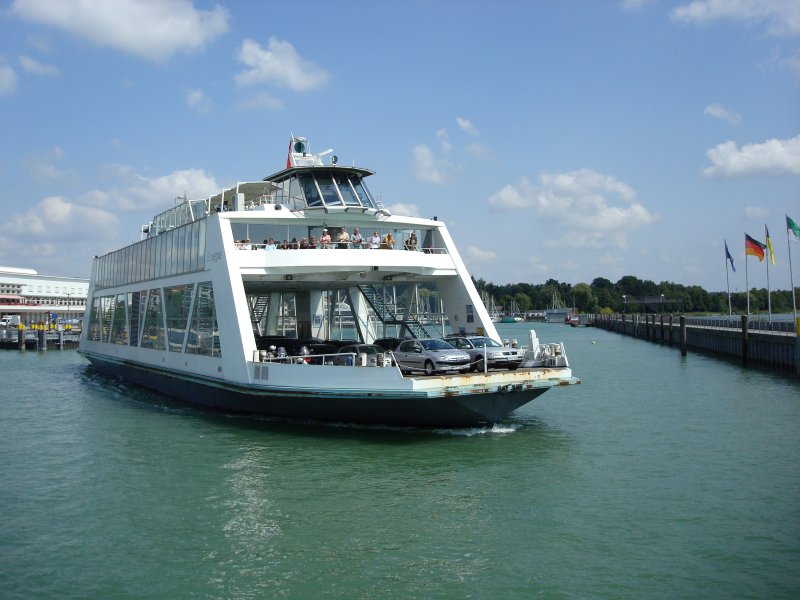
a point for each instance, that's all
(630, 294)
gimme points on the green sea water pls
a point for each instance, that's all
(657, 477)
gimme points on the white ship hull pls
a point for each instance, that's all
(195, 312)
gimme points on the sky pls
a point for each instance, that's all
(567, 140)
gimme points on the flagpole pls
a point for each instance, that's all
(727, 280)
(791, 277)
(746, 279)
(769, 293)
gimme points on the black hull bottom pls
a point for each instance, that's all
(477, 410)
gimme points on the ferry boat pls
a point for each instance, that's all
(203, 310)
(557, 312)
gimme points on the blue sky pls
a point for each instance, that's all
(566, 140)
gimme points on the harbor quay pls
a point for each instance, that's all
(751, 341)
(38, 338)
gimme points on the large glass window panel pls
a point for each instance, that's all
(203, 332)
(363, 193)
(194, 243)
(169, 244)
(95, 326)
(178, 303)
(328, 190)
(153, 333)
(348, 193)
(201, 247)
(133, 312)
(119, 326)
(107, 309)
(310, 190)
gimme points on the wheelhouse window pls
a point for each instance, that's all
(361, 192)
(310, 191)
(348, 193)
(328, 190)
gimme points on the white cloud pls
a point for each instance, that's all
(428, 168)
(8, 80)
(198, 101)
(444, 140)
(789, 63)
(31, 65)
(43, 169)
(478, 150)
(279, 65)
(55, 217)
(782, 16)
(755, 212)
(773, 157)
(155, 192)
(633, 4)
(133, 192)
(593, 240)
(406, 210)
(153, 30)
(259, 101)
(510, 197)
(592, 209)
(718, 111)
(466, 126)
(480, 256)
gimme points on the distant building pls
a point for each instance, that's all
(42, 298)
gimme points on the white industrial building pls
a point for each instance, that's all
(42, 298)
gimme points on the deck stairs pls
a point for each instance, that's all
(387, 312)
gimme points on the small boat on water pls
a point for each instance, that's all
(557, 312)
(202, 310)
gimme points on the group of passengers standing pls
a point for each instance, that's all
(343, 240)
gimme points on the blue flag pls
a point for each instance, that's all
(729, 257)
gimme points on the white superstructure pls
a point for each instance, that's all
(201, 306)
(42, 298)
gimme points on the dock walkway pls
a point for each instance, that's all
(775, 343)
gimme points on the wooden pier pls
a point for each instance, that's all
(21, 339)
(775, 344)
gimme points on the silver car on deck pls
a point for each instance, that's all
(431, 356)
(497, 355)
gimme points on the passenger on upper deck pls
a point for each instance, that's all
(270, 244)
(388, 241)
(357, 239)
(375, 241)
(325, 239)
(411, 242)
(343, 239)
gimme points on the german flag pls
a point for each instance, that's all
(753, 247)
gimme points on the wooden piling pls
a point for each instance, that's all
(745, 339)
(670, 330)
(683, 335)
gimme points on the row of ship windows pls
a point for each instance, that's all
(12, 288)
(174, 252)
(180, 318)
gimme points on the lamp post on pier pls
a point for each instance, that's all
(624, 302)
(662, 305)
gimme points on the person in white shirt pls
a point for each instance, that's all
(343, 239)
(357, 239)
(325, 239)
(375, 241)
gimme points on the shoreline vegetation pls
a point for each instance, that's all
(631, 294)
